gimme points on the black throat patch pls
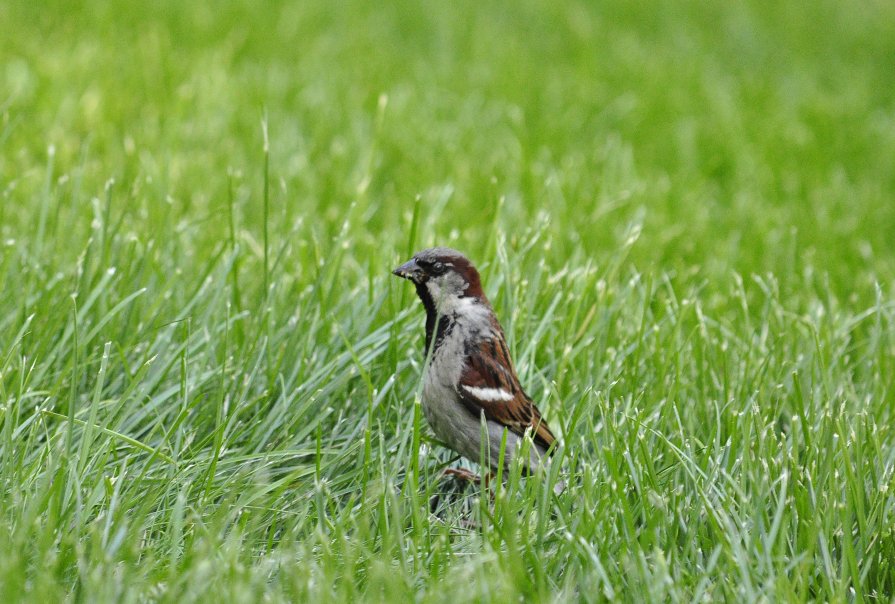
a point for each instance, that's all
(444, 323)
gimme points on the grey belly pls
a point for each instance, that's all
(453, 424)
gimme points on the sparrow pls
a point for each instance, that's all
(469, 379)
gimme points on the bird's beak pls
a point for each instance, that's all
(409, 270)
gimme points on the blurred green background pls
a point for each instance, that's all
(747, 137)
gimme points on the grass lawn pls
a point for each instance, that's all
(684, 214)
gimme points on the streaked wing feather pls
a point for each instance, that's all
(489, 384)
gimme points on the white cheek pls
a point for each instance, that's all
(446, 292)
(434, 290)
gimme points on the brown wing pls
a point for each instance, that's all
(489, 384)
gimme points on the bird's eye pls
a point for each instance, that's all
(438, 268)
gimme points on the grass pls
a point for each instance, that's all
(683, 215)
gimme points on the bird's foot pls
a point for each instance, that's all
(467, 475)
(461, 474)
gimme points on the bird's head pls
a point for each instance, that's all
(444, 275)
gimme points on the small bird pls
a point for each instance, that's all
(470, 376)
